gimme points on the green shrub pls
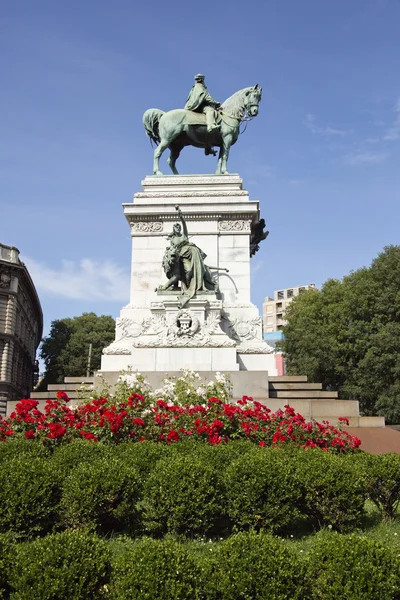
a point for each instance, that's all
(72, 565)
(16, 446)
(30, 490)
(67, 456)
(351, 567)
(7, 553)
(101, 494)
(382, 474)
(255, 567)
(143, 456)
(333, 489)
(261, 490)
(183, 495)
(155, 569)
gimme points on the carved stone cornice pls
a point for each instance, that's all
(193, 180)
(191, 194)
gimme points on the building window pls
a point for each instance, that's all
(301, 290)
(289, 293)
(281, 295)
(279, 307)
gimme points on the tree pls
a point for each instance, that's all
(347, 336)
(65, 350)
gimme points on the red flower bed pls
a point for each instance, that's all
(139, 419)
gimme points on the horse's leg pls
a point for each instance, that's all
(218, 171)
(157, 155)
(225, 155)
(175, 152)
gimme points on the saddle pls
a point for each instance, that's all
(197, 118)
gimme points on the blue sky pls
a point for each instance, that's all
(322, 157)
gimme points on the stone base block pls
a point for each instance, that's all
(172, 359)
(245, 383)
(257, 362)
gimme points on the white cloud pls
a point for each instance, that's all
(256, 266)
(365, 158)
(393, 133)
(84, 280)
(310, 122)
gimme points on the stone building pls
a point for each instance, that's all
(21, 327)
(274, 308)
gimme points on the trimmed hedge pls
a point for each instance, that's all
(101, 495)
(351, 567)
(183, 495)
(189, 488)
(382, 474)
(255, 566)
(30, 490)
(261, 490)
(333, 490)
(73, 565)
(156, 569)
(7, 553)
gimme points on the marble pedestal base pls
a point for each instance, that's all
(214, 331)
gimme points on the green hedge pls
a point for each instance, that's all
(188, 489)
(261, 490)
(255, 566)
(333, 490)
(30, 490)
(156, 569)
(102, 495)
(382, 475)
(7, 552)
(183, 495)
(73, 565)
(351, 567)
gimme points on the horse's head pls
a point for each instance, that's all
(253, 98)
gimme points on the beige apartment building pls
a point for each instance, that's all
(274, 308)
(21, 326)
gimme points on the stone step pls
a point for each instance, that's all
(65, 387)
(300, 394)
(288, 378)
(78, 380)
(52, 395)
(315, 408)
(278, 386)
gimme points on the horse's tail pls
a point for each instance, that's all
(151, 119)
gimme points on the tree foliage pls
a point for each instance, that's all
(65, 350)
(347, 335)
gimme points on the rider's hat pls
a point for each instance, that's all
(198, 76)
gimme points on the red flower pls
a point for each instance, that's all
(29, 434)
(262, 443)
(173, 436)
(139, 422)
(63, 396)
(56, 431)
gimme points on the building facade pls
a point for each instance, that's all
(21, 328)
(274, 308)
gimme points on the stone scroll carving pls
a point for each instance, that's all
(234, 225)
(146, 226)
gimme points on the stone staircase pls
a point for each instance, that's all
(306, 398)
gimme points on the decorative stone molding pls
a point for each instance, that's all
(234, 225)
(116, 348)
(191, 194)
(5, 278)
(263, 348)
(195, 180)
(146, 226)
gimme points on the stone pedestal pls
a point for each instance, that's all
(214, 331)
